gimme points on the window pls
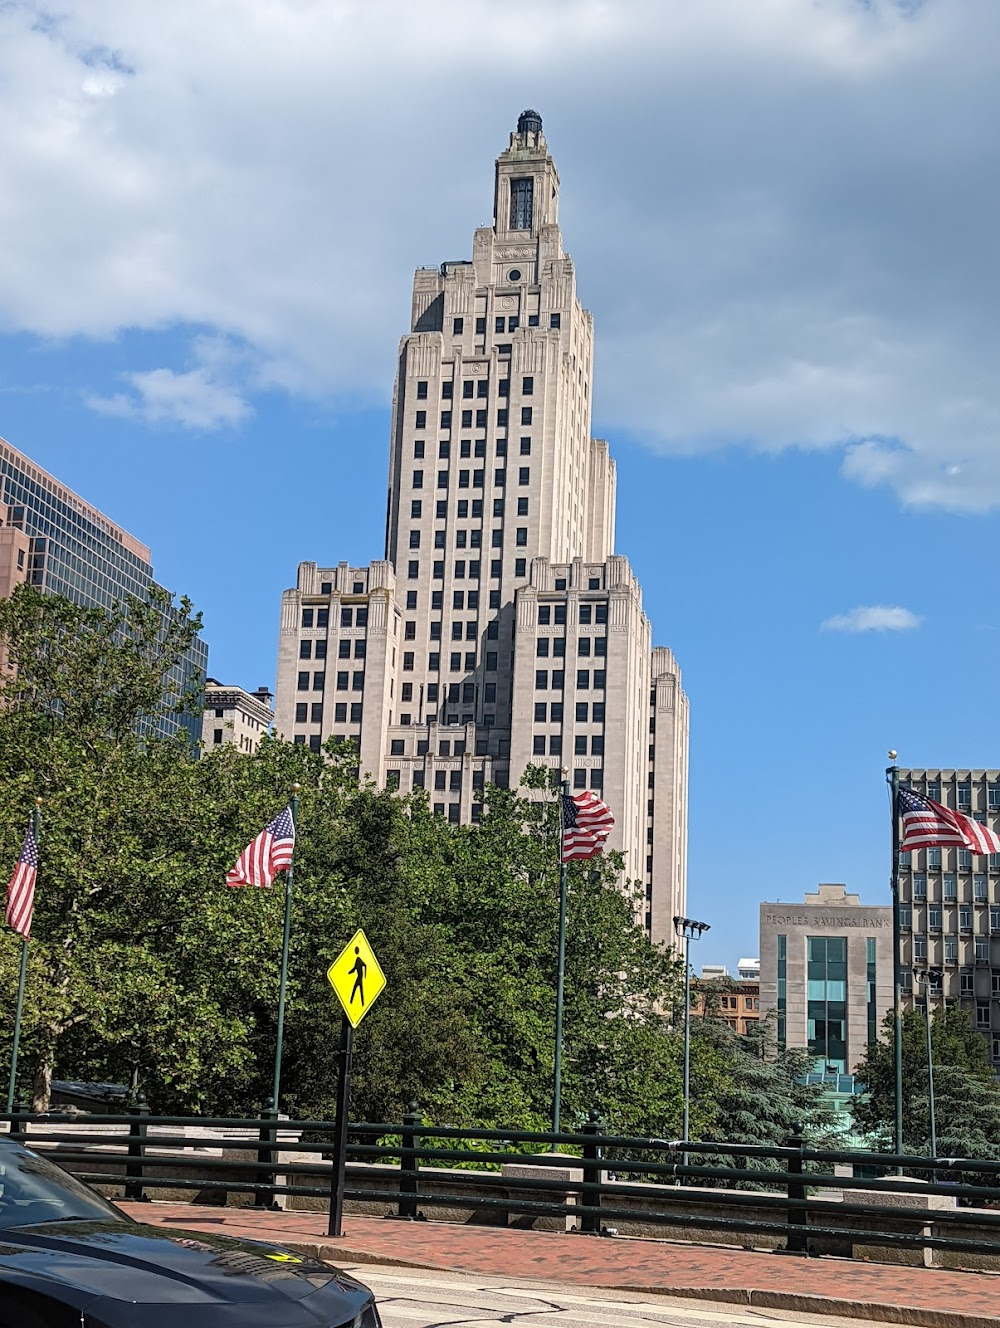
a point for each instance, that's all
(357, 681)
(480, 327)
(437, 569)
(458, 599)
(414, 539)
(344, 649)
(524, 475)
(499, 478)
(442, 479)
(396, 747)
(982, 1014)
(501, 447)
(526, 447)
(457, 326)
(583, 679)
(537, 744)
(600, 645)
(555, 745)
(482, 389)
(949, 887)
(919, 885)
(422, 391)
(491, 661)
(965, 982)
(463, 479)
(301, 711)
(340, 712)
(579, 779)
(413, 569)
(418, 451)
(342, 681)
(418, 479)
(555, 320)
(499, 324)
(979, 886)
(467, 416)
(407, 663)
(434, 661)
(964, 797)
(303, 682)
(521, 201)
(322, 617)
(541, 679)
(600, 613)
(305, 649)
(951, 949)
(519, 567)
(480, 419)
(526, 414)
(307, 617)
(542, 647)
(597, 745)
(319, 681)
(583, 646)
(599, 676)
(498, 507)
(964, 918)
(421, 420)
(934, 917)
(905, 917)
(444, 450)
(411, 599)
(580, 744)
(982, 950)
(527, 386)
(460, 569)
(934, 857)
(964, 858)
(995, 919)
(541, 710)
(920, 948)
(598, 712)
(437, 597)
(502, 418)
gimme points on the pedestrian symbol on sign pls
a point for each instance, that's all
(360, 968)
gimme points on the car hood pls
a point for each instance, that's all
(127, 1262)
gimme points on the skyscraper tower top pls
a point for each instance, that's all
(529, 122)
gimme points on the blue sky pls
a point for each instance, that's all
(783, 218)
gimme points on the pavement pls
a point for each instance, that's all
(886, 1293)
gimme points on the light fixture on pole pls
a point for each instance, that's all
(930, 977)
(690, 931)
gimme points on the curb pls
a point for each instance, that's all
(750, 1297)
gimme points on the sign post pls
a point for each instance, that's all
(358, 980)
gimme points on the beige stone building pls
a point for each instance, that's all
(501, 628)
(950, 905)
(826, 972)
(233, 716)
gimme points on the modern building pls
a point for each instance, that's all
(826, 973)
(501, 629)
(56, 541)
(950, 904)
(713, 972)
(235, 717)
(749, 969)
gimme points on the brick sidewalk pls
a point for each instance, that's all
(892, 1293)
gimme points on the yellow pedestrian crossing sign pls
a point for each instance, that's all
(356, 977)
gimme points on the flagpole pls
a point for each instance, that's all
(20, 987)
(561, 976)
(892, 775)
(276, 1086)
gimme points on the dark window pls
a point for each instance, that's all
(583, 646)
(316, 712)
(600, 613)
(585, 612)
(519, 567)
(502, 419)
(525, 414)
(409, 631)
(467, 416)
(555, 320)
(499, 324)
(437, 571)
(473, 600)
(557, 678)
(522, 535)
(467, 389)
(501, 447)
(421, 420)
(493, 629)
(391, 780)
(522, 507)
(437, 596)
(480, 419)
(494, 598)
(542, 647)
(458, 599)
(532, 320)
(439, 539)
(513, 324)
(499, 478)
(407, 664)
(480, 326)
(416, 509)
(457, 326)
(439, 779)
(521, 200)
(544, 614)
(301, 711)
(597, 779)
(346, 617)
(527, 386)
(344, 649)
(555, 745)
(556, 712)
(414, 539)
(319, 681)
(600, 645)
(307, 617)
(498, 507)
(407, 692)
(422, 391)
(413, 569)
(477, 506)
(434, 661)
(598, 712)
(411, 599)
(491, 661)
(314, 742)
(597, 745)
(482, 388)
(442, 479)
(526, 447)
(418, 479)
(503, 387)
(322, 617)
(538, 745)
(581, 712)
(580, 745)
(355, 712)
(583, 679)
(594, 583)
(490, 691)
(463, 479)
(340, 712)
(579, 779)
(559, 645)
(496, 567)
(444, 450)
(418, 451)
(326, 588)
(599, 679)
(455, 661)
(446, 419)
(496, 539)
(560, 614)
(303, 682)
(465, 448)
(541, 678)
(305, 649)
(541, 711)
(418, 779)
(357, 681)
(454, 811)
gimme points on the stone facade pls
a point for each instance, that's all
(826, 972)
(950, 904)
(235, 717)
(501, 629)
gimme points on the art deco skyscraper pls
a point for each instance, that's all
(501, 629)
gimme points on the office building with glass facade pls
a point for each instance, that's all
(64, 546)
(826, 974)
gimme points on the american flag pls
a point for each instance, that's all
(926, 824)
(586, 824)
(21, 891)
(270, 853)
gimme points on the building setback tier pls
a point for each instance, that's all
(501, 629)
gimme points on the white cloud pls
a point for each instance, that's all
(162, 396)
(782, 213)
(872, 618)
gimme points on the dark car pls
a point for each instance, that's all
(70, 1259)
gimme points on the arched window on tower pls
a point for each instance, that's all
(520, 204)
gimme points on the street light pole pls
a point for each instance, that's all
(689, 930)
(931, 975)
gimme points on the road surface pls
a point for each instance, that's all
(414, 1298)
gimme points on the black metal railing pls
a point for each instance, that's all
(788, 1196)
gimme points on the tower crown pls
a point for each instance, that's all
(527, 183)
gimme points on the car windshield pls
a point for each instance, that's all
(34, 1190)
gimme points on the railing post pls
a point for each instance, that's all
(136, 1150)
(409, 1167)
(797, 1219)
(590, 1198)
(19, 1122)
(267, 1157)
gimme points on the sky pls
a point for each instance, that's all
(784, 218)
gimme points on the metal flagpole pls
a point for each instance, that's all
(284, 956)
(20, 986)
(561, 978)
(892, 775)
